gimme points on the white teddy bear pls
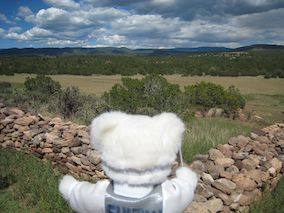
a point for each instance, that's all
(137, 152)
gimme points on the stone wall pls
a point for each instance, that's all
(231, 175)
(65, 144)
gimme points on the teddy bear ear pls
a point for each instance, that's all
(102, 126)
(172, 128)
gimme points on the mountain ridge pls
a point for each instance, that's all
(53, 51)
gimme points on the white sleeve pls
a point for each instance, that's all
(179, 192)
(84, 197)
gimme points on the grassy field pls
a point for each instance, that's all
(265, 97)
(28, 185)
(203, 134)
(98, 84)
(270, 202)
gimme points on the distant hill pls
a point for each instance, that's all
(127, 51)
(260, 47)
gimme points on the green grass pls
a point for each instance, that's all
(203, 134)
(270, 202)
(28, 185)
(269, 107)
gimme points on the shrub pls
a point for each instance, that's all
(5, 87)
(208, 95)
(204, 94)
(41, 87)
(70, 101)
(149, 95)
(233, 99)
(90, 108)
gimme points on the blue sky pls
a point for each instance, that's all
(140, 24)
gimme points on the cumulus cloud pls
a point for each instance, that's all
(15, 29)
(63, 4)
(25, 13)
(4, 19)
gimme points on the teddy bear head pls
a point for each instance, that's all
(137, 149)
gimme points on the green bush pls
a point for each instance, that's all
(150, 95)
(70, 101)
(41, 88)
(207, 95)
(5, 87)
(90, 108)
(233, 99)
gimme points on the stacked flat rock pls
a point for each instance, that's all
(65, 144)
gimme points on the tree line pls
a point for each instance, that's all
(269, 63)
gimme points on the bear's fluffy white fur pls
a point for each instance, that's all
(137, 142)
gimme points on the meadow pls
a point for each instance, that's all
(98, 84)
(265, 97)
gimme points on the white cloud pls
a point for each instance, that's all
(4, 19)
(34, 33)
(25, 13)
(146, 25)
(64, 4)
(15, 29)
(112, 40)
(2, 32)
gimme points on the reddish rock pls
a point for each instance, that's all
(248, 197)
(204, 190)
(76, 160)
(76, 150)
(198, 166)
(65, 150)
(100, 174)
(224, 162)
(242, 141)
(244, 182)
(232, 169)
(7, 121)
(72, 167)
(240, 155)
(18, 144)
(249, 164)
(277, 164)
(226, 175)
(94, 157)
(227, 200)
(51, 137)
(16, 111)
(215, 170)
(47, 150)
(207, 178)
(211, 206)
(214, 154)
(25, 121)
(225, 149)
(224, 185)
